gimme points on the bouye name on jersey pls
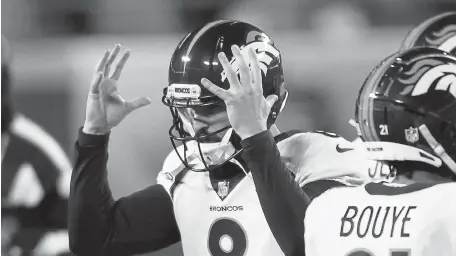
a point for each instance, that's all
(376, 221)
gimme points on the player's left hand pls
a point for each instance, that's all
(246, 106)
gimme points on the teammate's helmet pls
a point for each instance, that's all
(410, 99)
(6, 84)
(196, 57)
(437, 32)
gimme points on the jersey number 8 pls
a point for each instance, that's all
(226, 238)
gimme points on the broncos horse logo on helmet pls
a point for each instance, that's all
(266, 52)
(437, 32)
(412, 94)
(429, 74)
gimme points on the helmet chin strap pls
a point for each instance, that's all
(437, 148)
(212, 153)
(353, 123)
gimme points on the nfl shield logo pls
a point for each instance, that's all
(412, 135)
(223, 187)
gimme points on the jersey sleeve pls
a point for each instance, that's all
(314, 156)
(99, 225)
(283, 202)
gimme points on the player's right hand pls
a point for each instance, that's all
(105, 108)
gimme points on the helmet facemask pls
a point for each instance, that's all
(201, 126)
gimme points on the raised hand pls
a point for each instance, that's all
(247, 108)
(105, 108)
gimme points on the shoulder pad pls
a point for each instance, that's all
(315, 156)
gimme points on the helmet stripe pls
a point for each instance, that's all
(201, 32)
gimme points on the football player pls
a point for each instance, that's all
(412, 93)
(205, 196)
(35, 181)
(438, 32)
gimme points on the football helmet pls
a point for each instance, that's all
(437, 32)
(195, 57)
(408, 103)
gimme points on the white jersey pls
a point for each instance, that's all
(221, 219)
(210, 225)
(383, 219)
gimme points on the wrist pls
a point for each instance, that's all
(87, 129)
(250, 131)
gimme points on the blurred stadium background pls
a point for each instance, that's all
(328, 47)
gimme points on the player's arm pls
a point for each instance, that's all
(284, 203)
(99, 225)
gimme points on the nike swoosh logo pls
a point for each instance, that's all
(342, 150)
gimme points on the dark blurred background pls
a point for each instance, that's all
(328, 47)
